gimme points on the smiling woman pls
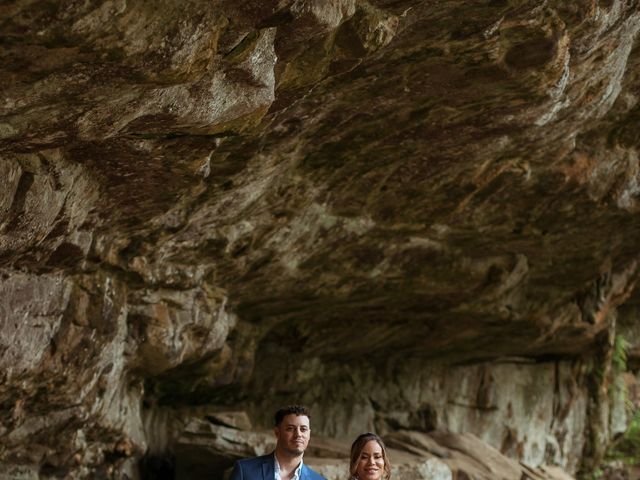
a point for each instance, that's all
(369, 460)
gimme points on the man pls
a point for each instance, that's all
(292, 433)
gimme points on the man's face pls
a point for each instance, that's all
(293, 434)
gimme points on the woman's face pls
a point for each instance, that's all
(371, 463)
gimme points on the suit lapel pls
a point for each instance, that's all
(267, 468)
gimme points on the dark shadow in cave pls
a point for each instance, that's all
(157, 467)
(185, 463)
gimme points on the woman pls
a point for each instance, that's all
(369, 460)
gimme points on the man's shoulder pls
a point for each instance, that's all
(312, 474)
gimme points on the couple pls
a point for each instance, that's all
(368, 454)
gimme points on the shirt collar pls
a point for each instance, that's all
(276, 469)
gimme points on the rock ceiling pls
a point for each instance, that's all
(193, 185)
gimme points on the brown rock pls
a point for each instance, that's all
(413, 216)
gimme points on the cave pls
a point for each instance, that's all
(416, 218)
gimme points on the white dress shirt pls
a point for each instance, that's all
(276, 470)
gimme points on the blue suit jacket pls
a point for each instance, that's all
(261, 468)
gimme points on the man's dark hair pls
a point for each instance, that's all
(288, 410)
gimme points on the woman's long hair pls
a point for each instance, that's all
(356, 449)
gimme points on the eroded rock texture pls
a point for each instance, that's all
(411, 215)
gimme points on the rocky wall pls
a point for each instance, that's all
(533, 412)
(408, 214)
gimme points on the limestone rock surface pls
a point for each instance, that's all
(415, 455)
(410, 215)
